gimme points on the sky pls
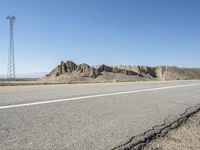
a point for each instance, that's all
(112, 32)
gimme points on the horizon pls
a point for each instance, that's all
(100, 32)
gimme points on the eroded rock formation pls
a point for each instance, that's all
(84, 72)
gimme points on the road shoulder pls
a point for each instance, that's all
(185, 137)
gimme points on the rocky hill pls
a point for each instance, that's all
(69, 72)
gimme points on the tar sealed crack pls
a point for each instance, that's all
(139, 141)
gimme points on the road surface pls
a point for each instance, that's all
(89, 116)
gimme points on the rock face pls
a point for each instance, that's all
(63, 68)
(148, 70)
(105, 68)
(70, 66)
(87, 71)
(124, 71)
(55, 72)
(175, 73)
(70, 71)
(67, 67)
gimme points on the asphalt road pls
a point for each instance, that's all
(88, 116)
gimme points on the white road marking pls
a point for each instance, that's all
(95, 96)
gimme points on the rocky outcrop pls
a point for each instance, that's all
(67, 67)
(105, 68)
(116, 70)
(124, 71)
(150, 71)
(55, 72)
(70, 66)
(63, 68)
(87, 71)
(175, 73)
(71, 71)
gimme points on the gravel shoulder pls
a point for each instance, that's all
(186, 137)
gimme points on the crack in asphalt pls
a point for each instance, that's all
(139, 141)
(179, 103)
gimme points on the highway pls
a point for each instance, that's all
(96, 116)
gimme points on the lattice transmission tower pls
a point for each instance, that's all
(11, 52)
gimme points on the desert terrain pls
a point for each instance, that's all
(70, 72)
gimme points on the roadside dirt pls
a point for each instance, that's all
(186, 137)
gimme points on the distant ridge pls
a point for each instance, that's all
(27, 75)
(32, 75)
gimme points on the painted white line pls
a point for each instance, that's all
(95, 96)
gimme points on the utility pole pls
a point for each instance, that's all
(11, 53)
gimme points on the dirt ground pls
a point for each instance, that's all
(186, 137)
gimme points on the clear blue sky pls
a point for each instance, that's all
(113, 32)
